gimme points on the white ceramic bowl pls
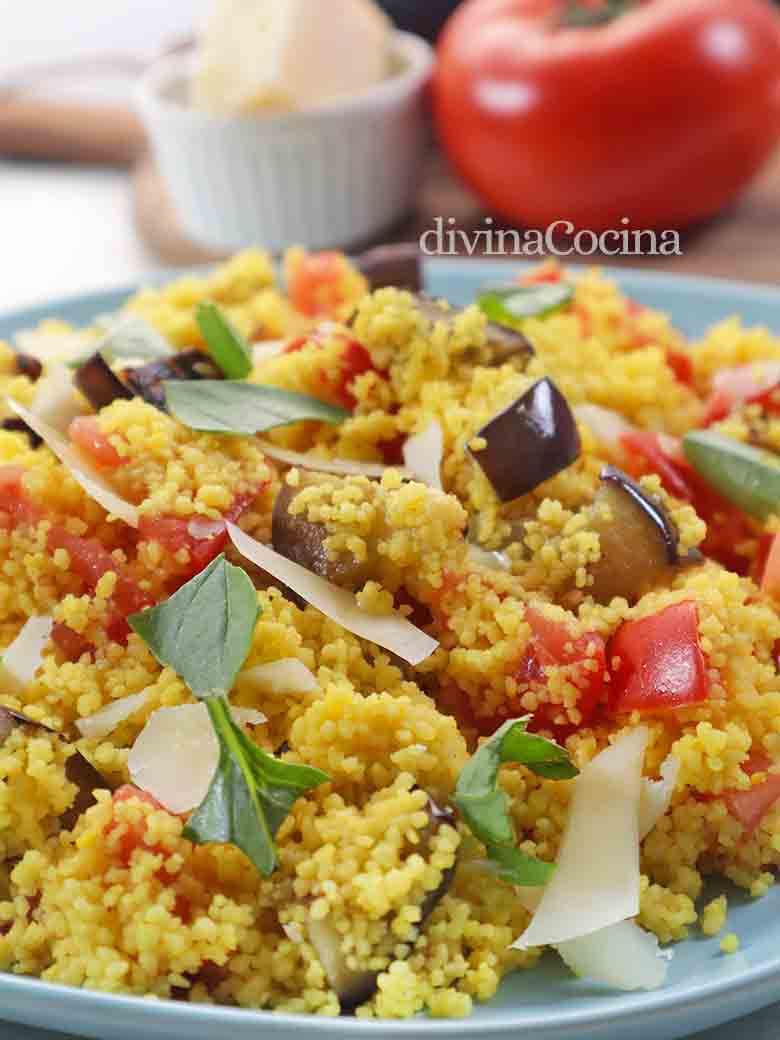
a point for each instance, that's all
(327, 177)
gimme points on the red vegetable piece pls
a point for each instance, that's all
(656, 663)
(750, 807)
(86, 434)
(682, 366)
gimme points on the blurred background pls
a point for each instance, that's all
(83, 203)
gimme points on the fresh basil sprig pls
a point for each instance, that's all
(230, 406)
(485, 807)
(515, 303)
(225, 343)
(128, 337)
(204, 632)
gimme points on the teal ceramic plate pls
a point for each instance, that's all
(704, 989)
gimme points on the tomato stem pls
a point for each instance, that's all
(582, 15)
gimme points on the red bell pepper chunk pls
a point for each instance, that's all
(751, 806)
(682, 366)
(553, 645)
(657, 663)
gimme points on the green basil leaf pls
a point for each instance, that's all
(251, 794)
(228, 406)
(204, 630)
(126, 338)
(509, 305)
(225, 343)
(484, 806)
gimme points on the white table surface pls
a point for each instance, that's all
(67, 229)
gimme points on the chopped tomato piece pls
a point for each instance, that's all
(134, 835)
(549, 272)
(552, 645)
(770, 571)
(750, 807)
(72, 644)
(15, 506)
(314, 284)
(86, 434)
(682, 366)
(353, 363)
(656, 663)
(175, 533)
(296, 344)
(649, 447)
(720, 406)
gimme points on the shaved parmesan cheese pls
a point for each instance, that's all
(24, 656)
(494, 560)
(55, 401)
(623, 956)
(607, 425)
(391, 631)
(423, 455)
(345, 467)
(656, 796)
(49, 347)
(596, 883)
(176, 754)
(288, 675)
(83, 472)
(107, 719)
(294, 933)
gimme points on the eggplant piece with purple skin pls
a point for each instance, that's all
(505, 343)
(355, 987)
(13, 424)
(99, 383)
(398, 266)
(27, 365)
(78, 770)
(303, 542)
(531, 441)
(146, 381)
(639, 540)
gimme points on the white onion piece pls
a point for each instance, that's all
(55, 400)
(493, 560)
(341, 467)
(176, 754)
(391, 631)
(112, 715)
(22, 659)
(746, 380)
(656, 796)
(50, 347)
(82, 471)
(288, 675)
(267, 349)
(623, 956)
(596, 883)
(607, 425)
(423, 454)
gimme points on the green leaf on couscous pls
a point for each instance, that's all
(748, 477)
(484, 807)
(515, 303)
(204, 630)
(204, 633)
(231, 406)
(224, 342)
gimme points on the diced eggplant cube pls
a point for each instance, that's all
(639, 540)
(99, 383)
(146, 381)
(531, 441)
(399, 266)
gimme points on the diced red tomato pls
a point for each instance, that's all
(15, 506)
(546, 273)
(134, 835)
(719, 407)
(72, 644)
(682, 366)
(86, 434)
(552, 645)
(314, 284)
(770, 572)
(353, 363)
(750, 807)
(727, 526)
(174, 533)
(297, 344)
(656, 663)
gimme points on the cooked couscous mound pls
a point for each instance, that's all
(569, 598)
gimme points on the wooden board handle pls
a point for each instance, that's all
(68, 131)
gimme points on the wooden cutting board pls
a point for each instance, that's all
(743, 243)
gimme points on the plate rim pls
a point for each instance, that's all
(753, 984)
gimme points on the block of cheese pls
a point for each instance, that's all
(257, 56)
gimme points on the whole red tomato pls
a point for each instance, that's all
(655, 110)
